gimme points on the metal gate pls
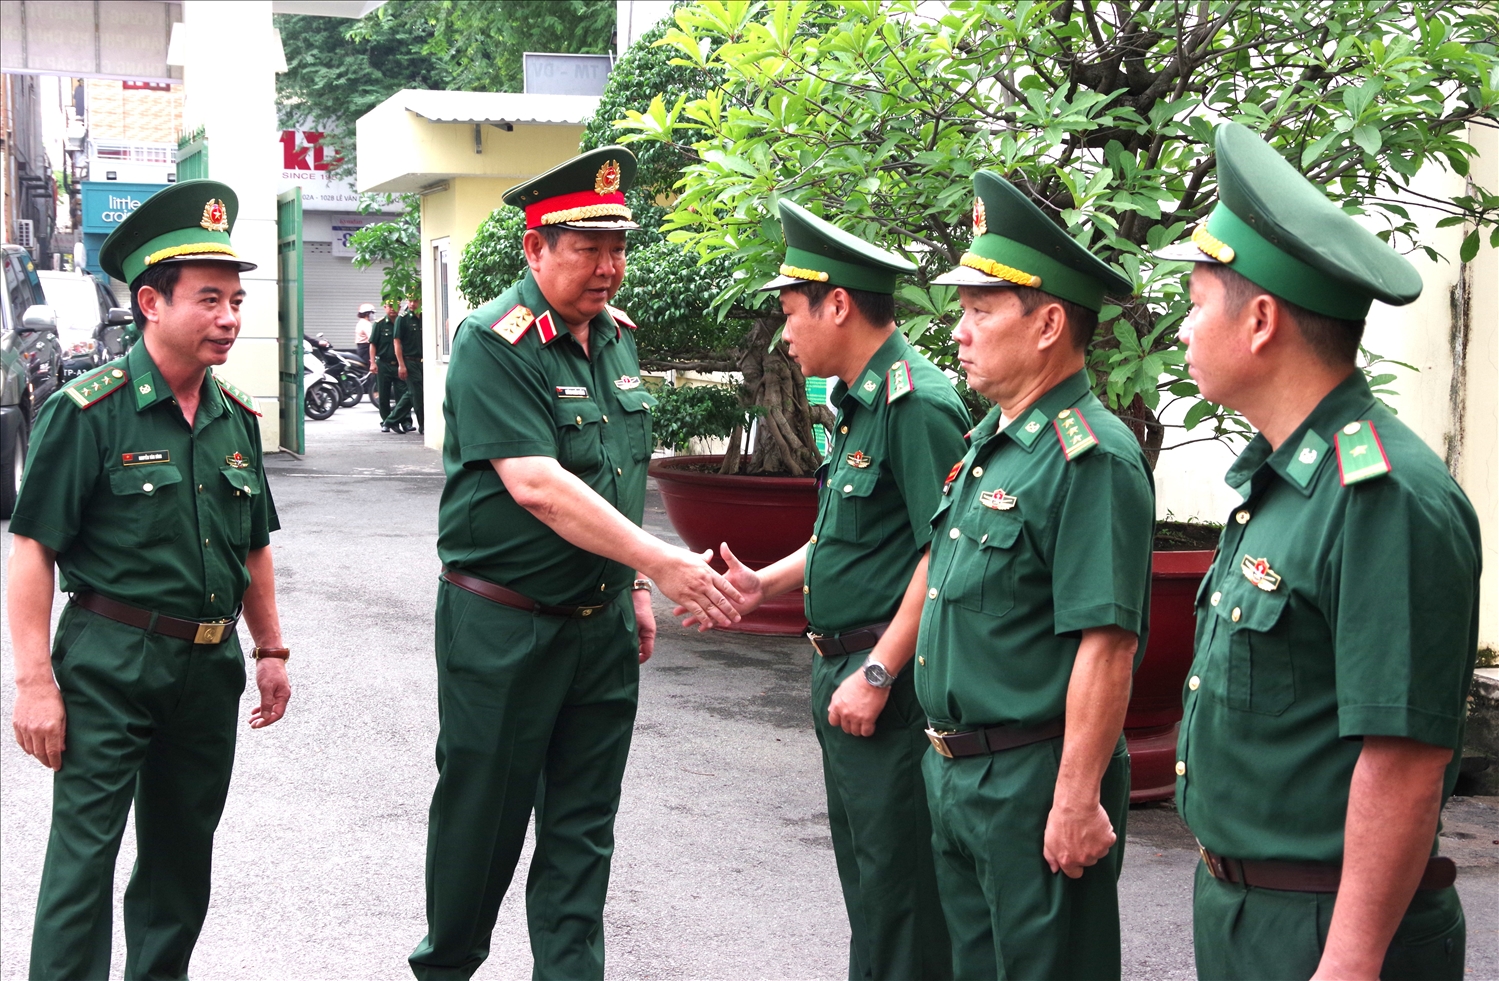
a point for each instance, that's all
(289, 286)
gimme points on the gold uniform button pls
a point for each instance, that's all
(148, 487)
(603, 586)
(1235, 614)
(984, 539)
(1194, 683)
(843, 430)
(205, 543)
(1181, 768)
(806, 589)
(1351, 428)
(847, 488)
(1217, 597)
(931, 594)
(618, 472)
(118, 373)
(814, 539)
(1242, 517)
(952, 534)
(606, 418)
(978, 471)
(211, 597)
(200, 488)
(921, 661)
(580, 420)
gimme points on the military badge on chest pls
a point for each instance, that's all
(1258, 571)
(237, 461)
(859, 460)
(997, 499)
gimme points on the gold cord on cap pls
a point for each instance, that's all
(197, 248)
(1221, 251)
(797, 272)
(999, 270)
(587, 211)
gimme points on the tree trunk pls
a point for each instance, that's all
(1147, 429)
(784, 445)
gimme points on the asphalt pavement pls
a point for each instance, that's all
(723, 865)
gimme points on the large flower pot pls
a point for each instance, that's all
(762, 518)
(1155, 705)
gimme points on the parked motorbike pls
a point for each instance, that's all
(348, 372)
(321, 394)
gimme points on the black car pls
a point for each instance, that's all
(31, 360)
(90, 321)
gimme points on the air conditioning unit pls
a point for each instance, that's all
(25, 233)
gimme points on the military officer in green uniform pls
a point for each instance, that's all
(543, 610)
(389, 387)
(1036, 601)
(407, 346)
(1337, 628)
(900, 425)
(145, 489)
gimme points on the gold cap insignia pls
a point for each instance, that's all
(980, 221)
(607, 181)
(215, 217)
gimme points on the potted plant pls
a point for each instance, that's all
(877, 114)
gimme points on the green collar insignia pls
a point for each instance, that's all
(867, 387)
(1310, 453)
(1027, 432)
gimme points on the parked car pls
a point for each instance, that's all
(30, 364)
(90, 320)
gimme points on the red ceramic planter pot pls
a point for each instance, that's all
(766, 518)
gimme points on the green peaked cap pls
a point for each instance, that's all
(185, 222)
(1278, 230)
(586, 193)
(820, 252)
(1015, 244)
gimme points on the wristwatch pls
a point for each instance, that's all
(279, 653)
(876, 675)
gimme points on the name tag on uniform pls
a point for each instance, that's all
(145, 456)
(572, 392)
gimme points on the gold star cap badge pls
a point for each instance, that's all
(608, 179)
(215, 216)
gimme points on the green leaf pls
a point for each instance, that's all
(1469, 250)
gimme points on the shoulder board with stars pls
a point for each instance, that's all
(245, 400)
(620, 317)
(91, 388)
(1361, 455)
(1074, 433)
(512, 326)
(898, 381)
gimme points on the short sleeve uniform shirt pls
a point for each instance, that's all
(140, 506)
(382, 340)
(518, 385)
(409, 332)
(1029, 549)
(1330, 613)
(899, 427)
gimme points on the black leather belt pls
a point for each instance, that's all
(848, 642)
(991, 739)
(199, 632)
(509, 597)
(1440, 873)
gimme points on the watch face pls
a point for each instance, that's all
(876, 675)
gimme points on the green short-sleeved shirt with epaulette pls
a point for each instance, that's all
(138, 506)
(518, 385)
(1331, 613)
(1029, 549)
(899, 428)
(408, 331)
(382, 340)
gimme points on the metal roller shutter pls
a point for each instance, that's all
(333, 290)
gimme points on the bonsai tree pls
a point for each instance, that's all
(875, 114)
(671, 291)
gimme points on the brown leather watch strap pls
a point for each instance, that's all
(280, 653)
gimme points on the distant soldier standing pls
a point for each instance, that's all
(1037, 600)
(1338, 626)
(544, 612)
(407, 345)
(390, 388)
(900, 424)
(145, 489)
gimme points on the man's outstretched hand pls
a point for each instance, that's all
(688, 580)
(744, 580)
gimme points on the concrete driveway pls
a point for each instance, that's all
(723, 867)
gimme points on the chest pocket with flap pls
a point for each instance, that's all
(1260, 677)
(983, 570)
(244, 484)
(579, 439)
(148, 502)
(637, 404)
(848, 496)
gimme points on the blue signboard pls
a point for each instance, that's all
(105, 205)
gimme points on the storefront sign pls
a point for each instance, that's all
(344, 227)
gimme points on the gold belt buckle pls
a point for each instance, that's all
(211, 633)
(813, 639)
(1214, 869)
(938, 743)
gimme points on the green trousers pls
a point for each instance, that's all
(534, 712)
(1270, 935)
(151, 719)
(1010, 917)
(411, 397)
(882, 833)
(388, 390)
